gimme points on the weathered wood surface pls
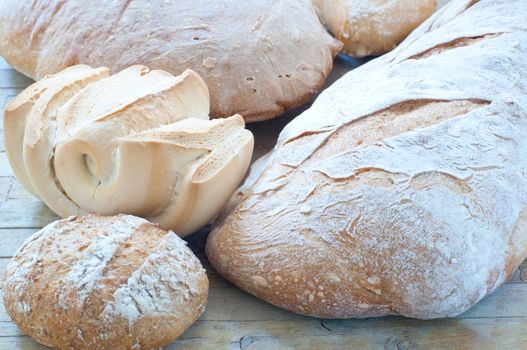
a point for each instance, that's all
(237, 320)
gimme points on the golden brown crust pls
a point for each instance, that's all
(402, 190)
(253, 60)
(373, 27)
(104, 283)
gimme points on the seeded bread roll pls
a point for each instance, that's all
(258, 57)
(403, 189)
(373, 27)
(104, 283)
(137, 142)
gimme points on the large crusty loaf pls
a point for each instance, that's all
(104, 283)
(137, 142)
(403, 189)
(373, 27)
(258, 57)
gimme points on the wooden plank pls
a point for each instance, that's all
(227, 302)
(5, 168)
(20, 343)
(9, 93)
(25, 213)
(388, 333)
(9, 329)
(17, 192)
(12, 79)
(3, 264)
(3, 313)
(20, 209)
(5, 187)
(12, 239)
(4, 64)
(3, 103)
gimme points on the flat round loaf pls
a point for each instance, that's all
(258, 57)
(373, 27)
(403, 189)
(97, 282)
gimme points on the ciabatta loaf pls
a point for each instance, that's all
(104, 283)
(373, 27)
(403, 189)
(137, 142)
(258, 57)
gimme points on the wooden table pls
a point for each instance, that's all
(237, 320)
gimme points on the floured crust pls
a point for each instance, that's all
(373, 27)
(137, 142)
(402, 190)
(253, 59)
(104, 283)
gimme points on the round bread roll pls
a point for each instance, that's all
(137, 142)
(97, 282)
(373, 27)
(258, 57)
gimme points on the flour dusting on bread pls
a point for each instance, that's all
(402, 190)
(104, 282)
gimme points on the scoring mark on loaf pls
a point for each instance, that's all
(472, 3)
(425, 180)
(370, 129)
(94, 261)
(451, 45)
(369, 176)
(89, 268)
(167, 277)
(393, 121)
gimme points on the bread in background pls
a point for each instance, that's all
(373, 27)
(257, 57)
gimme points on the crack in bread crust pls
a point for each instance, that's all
(460, 42)
(407, 177)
